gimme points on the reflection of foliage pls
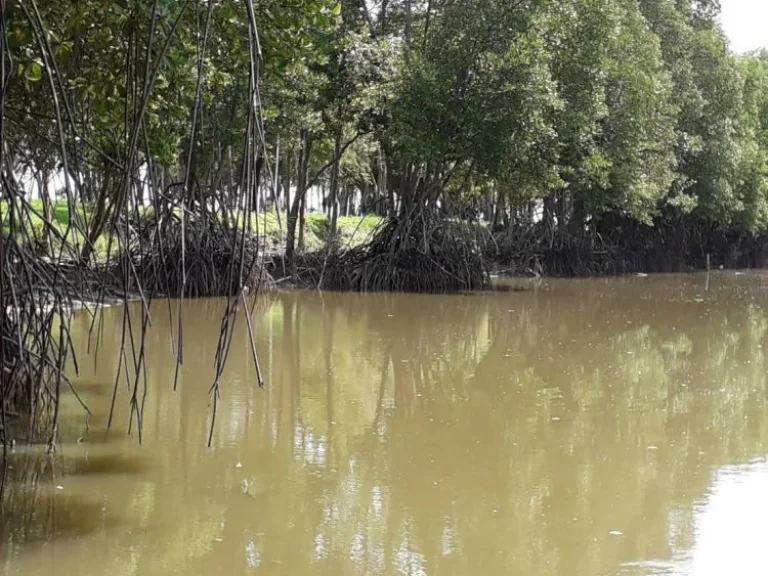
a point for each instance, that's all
(454, 434)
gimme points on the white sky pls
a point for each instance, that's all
(746, 23)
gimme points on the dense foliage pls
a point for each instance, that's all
(581, 116)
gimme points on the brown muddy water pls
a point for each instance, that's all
(582, 427)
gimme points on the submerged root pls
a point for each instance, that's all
(418, 254)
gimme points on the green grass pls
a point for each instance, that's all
(32, 225)
(353, 230)
(60, 212)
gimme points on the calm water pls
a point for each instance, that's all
(575, 428)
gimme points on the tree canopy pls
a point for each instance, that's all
(588, 108)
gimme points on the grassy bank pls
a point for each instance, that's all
(352, 230)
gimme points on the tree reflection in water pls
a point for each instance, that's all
(583, 427)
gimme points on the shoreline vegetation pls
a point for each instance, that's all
(623, 247)
(199, 148)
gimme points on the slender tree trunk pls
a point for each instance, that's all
(232, 187)
(382, 189)
(499, 213)
(287, 181)
(549, 214)
(99, 219)
(445, 207)
(301, 190)
(562, 209)
(334, 192)
(383, 15)
(427, 21)
(406, 190)
(391, 208)
(257, 181)
(576, 223)
(408, 27)
(302, 220)
(276, 187)
(47, 212)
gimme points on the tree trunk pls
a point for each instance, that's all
(549, 217)
(334, 192)
(47, 213)
(287, 181)
(302, 220)
(383, 15)
(301, 190)
(276, 187)
(562, 209)
(384, 188)
(530, 212)
(257, 181)
(498, 207)
(576, 223)
(99, 219)
(347, 202)
(408, 27)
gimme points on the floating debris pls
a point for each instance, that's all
(616, 533)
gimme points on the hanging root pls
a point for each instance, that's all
(36, 301)
(219, 261)
(423, 253)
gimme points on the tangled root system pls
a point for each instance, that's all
(219, 260)
(423, 253)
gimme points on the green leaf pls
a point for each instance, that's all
(35, 72)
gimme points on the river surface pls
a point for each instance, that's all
(570, 428)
